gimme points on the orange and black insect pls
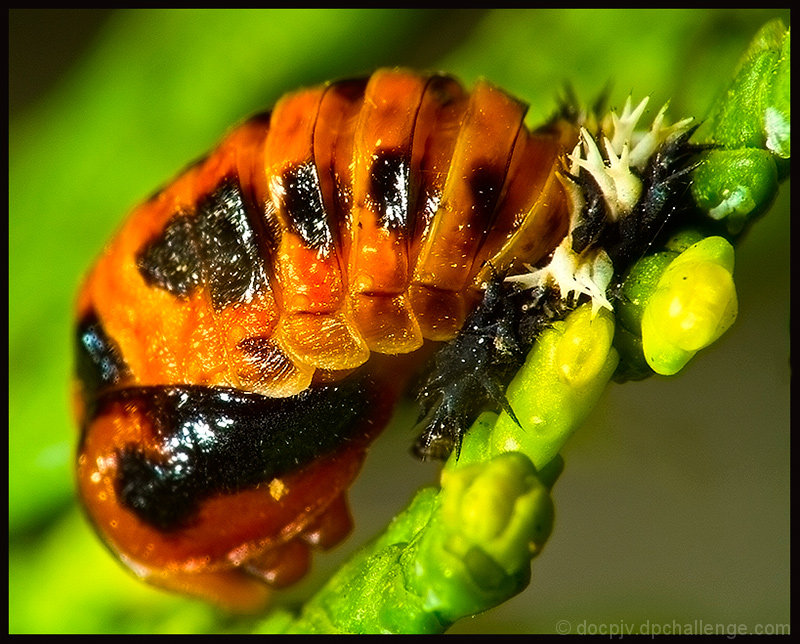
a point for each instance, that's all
(241, 341)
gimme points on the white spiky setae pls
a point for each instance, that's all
(626, 149)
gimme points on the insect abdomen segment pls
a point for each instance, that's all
(358, 218)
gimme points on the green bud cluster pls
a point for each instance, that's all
(673, 304)
(751, 134)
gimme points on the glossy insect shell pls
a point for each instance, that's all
(228, 377)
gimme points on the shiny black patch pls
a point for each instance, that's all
(98, 360)
(485, 183)
(304, 207)
(231, 260)
(215, 246)
(389, 189)
(218, 440)
(171, 261)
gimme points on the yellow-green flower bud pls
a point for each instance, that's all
(693, 305)
(564, 375)
(583, 349)
(500, 507)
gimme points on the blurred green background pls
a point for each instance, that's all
(673, 509)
